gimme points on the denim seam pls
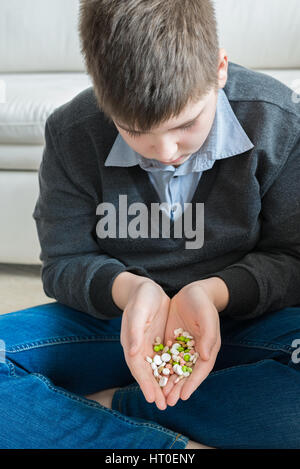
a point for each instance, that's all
(98, 406)
(60, 341)
(12, 370)
(262, 345)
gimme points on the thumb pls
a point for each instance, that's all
(205, 347)
(136, 332)
(133, 347)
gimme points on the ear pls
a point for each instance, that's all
(223, 68)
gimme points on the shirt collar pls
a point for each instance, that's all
(226, 138)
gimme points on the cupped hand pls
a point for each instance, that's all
(144, 318)
(193, 310)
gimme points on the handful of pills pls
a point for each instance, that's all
(178, 357)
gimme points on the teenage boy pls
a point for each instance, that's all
(168, 120)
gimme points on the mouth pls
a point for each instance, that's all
(176, 161)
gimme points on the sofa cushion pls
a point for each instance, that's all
(30, 99)
(20, 157)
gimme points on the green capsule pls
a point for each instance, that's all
(180, 349)
(156, 348)
(189, 369)
(186, 357)
(184, 368)
(161, 347)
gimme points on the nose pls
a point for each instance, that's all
(165, 149)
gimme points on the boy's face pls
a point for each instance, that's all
(173, 142)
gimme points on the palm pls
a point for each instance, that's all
(178, 318)
(192, 311)
(146, 326)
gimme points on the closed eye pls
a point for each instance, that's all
(138, 134)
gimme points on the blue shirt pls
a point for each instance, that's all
(226, 138)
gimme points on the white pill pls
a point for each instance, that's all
(153, 366)
(177, 369)
(175, 346)
(187, 335)
(166, 371)
(178, 332)
(166, 357)
(163, 381)
(157, 360)
(149, 359)
(156, 374)
(186, 373)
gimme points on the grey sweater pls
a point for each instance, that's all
(252, 208)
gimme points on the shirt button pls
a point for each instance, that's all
(174, 208)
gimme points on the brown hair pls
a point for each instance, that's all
(149, 58)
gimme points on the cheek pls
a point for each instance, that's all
(139, 145)
(191, 140)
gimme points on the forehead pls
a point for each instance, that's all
(190, 113)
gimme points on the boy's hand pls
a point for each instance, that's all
(193, 309)
(144, 318)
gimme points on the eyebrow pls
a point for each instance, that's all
(174, 128)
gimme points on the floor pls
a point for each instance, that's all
(20, 288)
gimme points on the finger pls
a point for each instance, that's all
(160, 399)
(199, 374)
(169, 386)
(143, 376)
(174, 394)
(148, 384)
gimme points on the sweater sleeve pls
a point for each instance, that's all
(74, 271)
(268, 278)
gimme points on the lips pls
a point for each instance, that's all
(175, 161)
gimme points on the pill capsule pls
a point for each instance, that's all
(163, 381)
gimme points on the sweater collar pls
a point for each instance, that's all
(226, 138)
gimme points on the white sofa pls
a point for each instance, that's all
(41, 67)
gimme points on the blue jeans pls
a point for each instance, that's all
(54, 358)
